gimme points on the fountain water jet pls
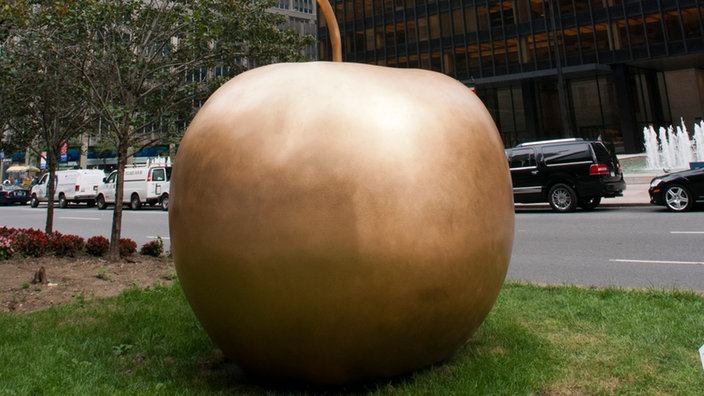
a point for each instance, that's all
(652, 148)
(673, 150)
(699, 140)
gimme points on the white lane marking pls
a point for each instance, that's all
(657, 262)
(686, 232)
(80, 218)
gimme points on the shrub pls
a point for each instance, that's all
(8, 232)
(97, 246)
(127, 247)
(66, 245)
(153, 248)
(6, 250)
(7, 242)
(31, 242)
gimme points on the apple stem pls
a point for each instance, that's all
(333, 29)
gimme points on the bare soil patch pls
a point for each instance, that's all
(71, 278)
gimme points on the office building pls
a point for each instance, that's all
(300, 17)
(545, 68)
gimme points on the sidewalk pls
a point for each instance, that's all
(636, 191)
(637, 181)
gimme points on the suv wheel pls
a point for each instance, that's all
(562, 198)
(34, 202)
(678, 199)
(589, 203)
(165, 202)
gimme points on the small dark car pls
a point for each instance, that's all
(678, 191)
(566, 173)
(10, 194)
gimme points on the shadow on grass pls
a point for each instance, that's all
(501, 358)
(149, 342)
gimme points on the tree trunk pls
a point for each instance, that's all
(114, 254)
(52, 164)
(49, 226)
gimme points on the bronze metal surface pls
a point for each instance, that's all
(338, 222)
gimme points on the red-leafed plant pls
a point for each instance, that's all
(31, 242)
(97, 245)
(127, 247)
(153, 248)
(66, 245)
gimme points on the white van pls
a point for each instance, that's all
(71, 186)
(143, 185)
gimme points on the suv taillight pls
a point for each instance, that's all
(598, 170)
(78, 188)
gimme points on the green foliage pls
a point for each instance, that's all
(153, 248)
(102, 273)
(44, 101)
(139, 69)
(554, 340)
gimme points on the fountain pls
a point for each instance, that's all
(672, 148)
(699, 140)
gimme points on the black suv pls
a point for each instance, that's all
(566, 173)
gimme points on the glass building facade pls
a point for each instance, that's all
(545, 68)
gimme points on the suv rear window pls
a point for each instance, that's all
(602, 153)
(566, 153)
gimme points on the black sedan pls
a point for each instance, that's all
(678, 191)
(10, 193)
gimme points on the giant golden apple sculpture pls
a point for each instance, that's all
(335, 222)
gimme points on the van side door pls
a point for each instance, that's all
(41, 189)
(110, 187)
(158, 178)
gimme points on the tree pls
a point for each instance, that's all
(43, 106)
(147, 65)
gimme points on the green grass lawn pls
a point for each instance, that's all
(536, 340)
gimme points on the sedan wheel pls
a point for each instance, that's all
(562, 198)
(678, 199)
